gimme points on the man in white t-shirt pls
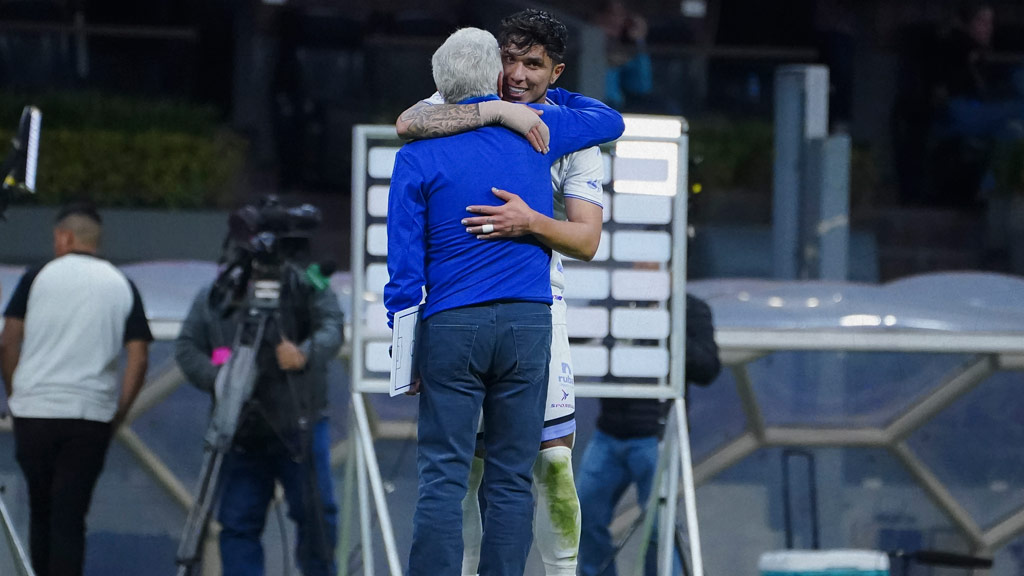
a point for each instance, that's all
(64, 329)
(533, 45)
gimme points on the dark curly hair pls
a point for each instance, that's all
(527, 28)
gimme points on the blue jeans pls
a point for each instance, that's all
(248, 488)
(609, 466)
(492, 357)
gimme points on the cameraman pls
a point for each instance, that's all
(269, 445)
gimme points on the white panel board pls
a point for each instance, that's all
(377, 201)
(587, 322)
(642, 209)
(381, 161)
(589, 360)
(640, 323)
(641, 285)
(643, 167)
(377, 239)
(375, 321)
(376, 358)
(642, 246)
(639, 362)
(586, 283)
(376, 277)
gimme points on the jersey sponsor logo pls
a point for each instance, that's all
(593, 184)
(566, 377)
(564, 394)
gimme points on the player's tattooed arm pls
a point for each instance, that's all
(432, 121)
(425, 120)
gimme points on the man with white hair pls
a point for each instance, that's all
(533, 46)
(485, 328)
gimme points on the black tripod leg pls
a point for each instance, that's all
(313, 500)
(190, 552)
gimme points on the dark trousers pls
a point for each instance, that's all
(491, 358)
(248, 488)
(61, 459)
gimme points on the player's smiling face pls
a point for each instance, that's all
(528, 73)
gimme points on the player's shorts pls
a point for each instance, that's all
(560, 409)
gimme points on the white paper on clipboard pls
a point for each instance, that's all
(403, 349)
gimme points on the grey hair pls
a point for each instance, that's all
(467, 65)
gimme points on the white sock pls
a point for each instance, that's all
(472, 524)
(556, 522)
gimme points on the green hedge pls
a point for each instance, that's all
(732, 154)
(1008, 167)
(739, 155)
(129, 153)
(98, 111)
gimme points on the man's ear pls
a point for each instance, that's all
(556, 72)
(501, 80)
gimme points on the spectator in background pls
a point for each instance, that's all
(977, 103)
(629, 76)
(64, 328)
(624, 449)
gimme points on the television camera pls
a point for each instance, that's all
(261, 268)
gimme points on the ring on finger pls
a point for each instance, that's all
(487, 228)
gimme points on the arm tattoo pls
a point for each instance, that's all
(441, 120)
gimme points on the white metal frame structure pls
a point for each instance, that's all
(992, 352)
(626, 309)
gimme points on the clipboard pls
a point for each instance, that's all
(403, 349)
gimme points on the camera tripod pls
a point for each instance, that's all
(234, 389)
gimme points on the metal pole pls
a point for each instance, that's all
(666, 535)
(833, 227)
(348, 491)
(689, 492)
(373, 470)
(364, 511)
(21, 562)
(801, 114)
(786, 173)
(650, 509)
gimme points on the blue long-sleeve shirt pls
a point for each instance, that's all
(435, 180)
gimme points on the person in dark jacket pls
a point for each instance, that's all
(624, 448)
(269, 446)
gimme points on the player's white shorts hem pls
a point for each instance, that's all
(560, 408)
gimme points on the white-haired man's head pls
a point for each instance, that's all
(467, 65)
